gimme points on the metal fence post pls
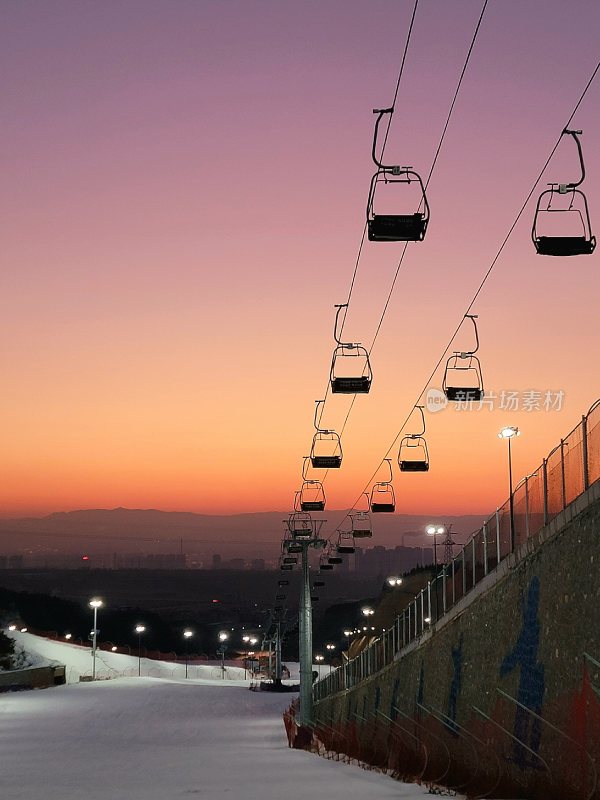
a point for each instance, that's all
(429, 602)
(527, 507)
(444, 580)
(584, 447)
(562, 473)
(453, 583)
(485, 556)
(545, 476)
(474, 560)
(497, 536)
(464, 570)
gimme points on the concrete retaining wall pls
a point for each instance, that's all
(502, 697)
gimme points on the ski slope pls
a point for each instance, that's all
(165, 738)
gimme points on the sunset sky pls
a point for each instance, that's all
(184, 191)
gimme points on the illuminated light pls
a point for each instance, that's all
(12, 627)
(23, 630)
(427, 619)
(85, 558)
(508, 432)
(188, 634)
(216, 601)
(95, 602)
(68, 635)
(140, 628)
(368, 612)
(114, 649)
(223, 636)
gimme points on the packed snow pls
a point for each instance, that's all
(161, 738)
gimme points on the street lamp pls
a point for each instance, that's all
(392, 581)
(330, 648)
(139, 629)
(507, 433)
(434, 530)
(187, 635)
(367, 611)
(319, 659)
(95, 603)
(223, 637)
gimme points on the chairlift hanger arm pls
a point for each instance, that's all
(380, 113)
(576, 135)
(466, 353)
(422, 432)
(336, 336)
(316, 424)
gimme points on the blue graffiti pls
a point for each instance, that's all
(457, 654)
(527, 729)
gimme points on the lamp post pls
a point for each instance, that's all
(507, 433)
(434, 530)
(347, 634)
(330, 648)
(95, 603)
(223, 637)
(187, 635)
(139, 629)
(319, 660)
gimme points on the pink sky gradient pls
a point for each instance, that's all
(184, 194)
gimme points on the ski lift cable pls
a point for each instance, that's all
(429, 176)
(433, 164)
(479, 288)
(385, 138)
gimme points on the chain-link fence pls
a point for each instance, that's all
(567, 471)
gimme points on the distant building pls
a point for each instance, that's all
(257, 564)
(216, 561)
(391, 561)
(235, 563)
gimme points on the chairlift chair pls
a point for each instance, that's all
(346, 376)
(283, 583)
(300, 524)
(286, 567)
(463, 379)
(413, 455)
(345, 543)
(311, 496)
(326, 450)
(280, 597)
(394, 227)
(361, 525)
(383, 500)
(318, 584)
(575, 238)
(324, 565)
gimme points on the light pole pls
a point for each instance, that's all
(347, 634)
(95, 603)
(330, 648)
(507, 433)
(319, 660)
(223, 637)
(187, 635)
(139, 629)
(434, 530)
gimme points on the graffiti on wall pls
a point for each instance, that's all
(530, 692)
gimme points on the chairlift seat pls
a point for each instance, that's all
(325, 566)
(283, 583)
(346, 548)
(414, 466)
(356, 385)
(312, 505)
(464, 393)
(290, 560)
(564, 245)
(326, 462)
(279, 597)
(362, 533)
(314, 598)
(335, 559)
(287, 567)
(397, 227)
(316, 584)
(383, 508)
(294, 547)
